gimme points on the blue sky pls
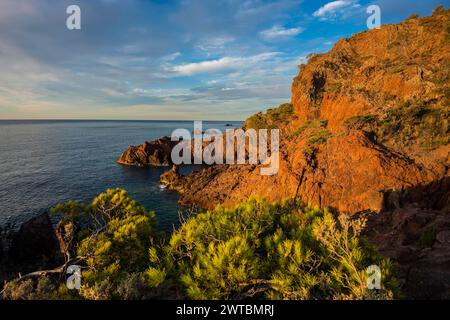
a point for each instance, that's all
(136, 59)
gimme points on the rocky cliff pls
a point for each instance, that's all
(369, 124)
(367, 132)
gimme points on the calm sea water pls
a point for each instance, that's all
(46, 162)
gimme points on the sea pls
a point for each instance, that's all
(45, 162)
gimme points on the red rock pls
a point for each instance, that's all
(150, 153)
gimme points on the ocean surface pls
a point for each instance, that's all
(45, 162)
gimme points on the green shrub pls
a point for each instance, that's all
(447, 31)
(396, 69)
(259, 249)
(272, 118)
(358, 122)
(29, 289)
(319, 137)
(334, 87)
(415, 121)
(274, 250)
(311, 124)
(116, 244)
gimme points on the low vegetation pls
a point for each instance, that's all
(311, 124)
(319, 136)
(334, 87)
(415, 121)
(359, 122)
(272, 118)
(409, 123)
(260, 249)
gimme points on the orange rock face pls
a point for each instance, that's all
(392, 85)
(375, 70)
(368, 135)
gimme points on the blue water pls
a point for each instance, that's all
(46, 162)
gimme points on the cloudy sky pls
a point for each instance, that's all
(137, 59)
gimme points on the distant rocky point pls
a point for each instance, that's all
(150, 153)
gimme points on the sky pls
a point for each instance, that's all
(171, 60)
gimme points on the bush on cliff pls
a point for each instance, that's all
(275, 250)
(260, 249)
(113, 246)
(272, 118)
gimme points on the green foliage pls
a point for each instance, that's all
(274, 250)
(409, 123)
(341, 238)
(116, 244)
(71, 210)
(319, 136)
(447, 31)
(414, 121)
(311, 124)
(117, 203)
(259, 249)
(272, 118)
(358, 122)
(29, 289)
(428, 238)
(114, 203)
(334, 87)
(221, 270)
(122, 245)
(439, 10)
(309, 152)
(396, 69)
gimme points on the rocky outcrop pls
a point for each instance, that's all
(369, 134)
(419, 241)
(150, 153)
(34, 246)
(393, 81)
(350, 173)
(34, 240)
(158, 152)
(370, 123)
(171, 179)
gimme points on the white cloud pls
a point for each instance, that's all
(333, 9)
(214, 43)
(171, 57)
(280, 32)
(220, 64)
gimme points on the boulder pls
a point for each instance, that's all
(34, 245)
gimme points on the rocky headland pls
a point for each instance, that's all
(366, 133)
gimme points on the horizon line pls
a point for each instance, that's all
(119, 120)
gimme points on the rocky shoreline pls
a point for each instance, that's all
(360, 138)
